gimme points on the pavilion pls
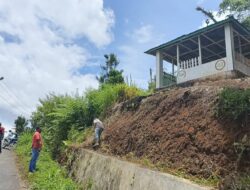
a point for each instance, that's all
(218, 50)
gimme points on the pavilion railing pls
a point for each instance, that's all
(242, 59)
(186, 64)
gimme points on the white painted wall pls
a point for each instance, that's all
(204, 70)
(213, 67)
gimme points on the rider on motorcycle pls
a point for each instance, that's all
(10, 139)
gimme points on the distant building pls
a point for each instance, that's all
(218, 50)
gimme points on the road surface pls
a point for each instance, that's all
(9, 178)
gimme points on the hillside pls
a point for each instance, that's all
(177, 129)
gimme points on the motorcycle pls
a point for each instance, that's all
(7, 142)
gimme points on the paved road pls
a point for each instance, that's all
(9, 179)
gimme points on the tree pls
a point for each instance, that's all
(57, 115)
(20, 124)
(239, 8)
(206, 13)
(110, 74)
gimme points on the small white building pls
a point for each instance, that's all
(218, 50)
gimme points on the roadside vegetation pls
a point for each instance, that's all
(67, 120)
(49, 175)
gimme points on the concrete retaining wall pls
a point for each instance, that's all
(107, 173)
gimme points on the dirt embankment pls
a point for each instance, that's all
(178, 129)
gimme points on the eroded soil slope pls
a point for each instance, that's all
(177, 128)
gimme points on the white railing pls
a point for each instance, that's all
(242, 59)
(194, 62)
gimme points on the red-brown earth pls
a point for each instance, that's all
(178, 128)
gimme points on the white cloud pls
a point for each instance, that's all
(133, 60)
(136, 64)
(143, 34)
(43, 57)
(199, 2)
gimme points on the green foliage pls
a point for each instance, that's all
(101, 100)
(42, 117)
(20, 124)
(64, 118)
(246, 22)
(115, 77)
(77, 137)
(49, 175)
(57, 115)
(239, 8)
(89, 184)
(151, 86)
(152, 81)
(110, 75)
(245, 181)
(233, 103)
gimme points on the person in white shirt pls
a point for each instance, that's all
(11, 138)
(99, 127)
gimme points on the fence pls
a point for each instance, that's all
(193, 62)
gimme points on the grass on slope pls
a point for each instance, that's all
(50, 176)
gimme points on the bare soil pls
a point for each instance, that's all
(178, 129)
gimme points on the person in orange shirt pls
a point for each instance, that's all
(1, 136)
(36, 148)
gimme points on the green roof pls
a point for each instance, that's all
(196, 33)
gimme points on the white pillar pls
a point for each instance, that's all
(178, 57)
(229, 46)
(179, 63)
(159, 70)
(172, 67)
(200, 54)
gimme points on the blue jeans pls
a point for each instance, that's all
(34, 157)
(98, 132)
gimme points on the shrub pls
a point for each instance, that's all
(57, 115)
(99, 101)
(233, 103)
(62, 117)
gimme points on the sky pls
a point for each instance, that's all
(58, 46)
